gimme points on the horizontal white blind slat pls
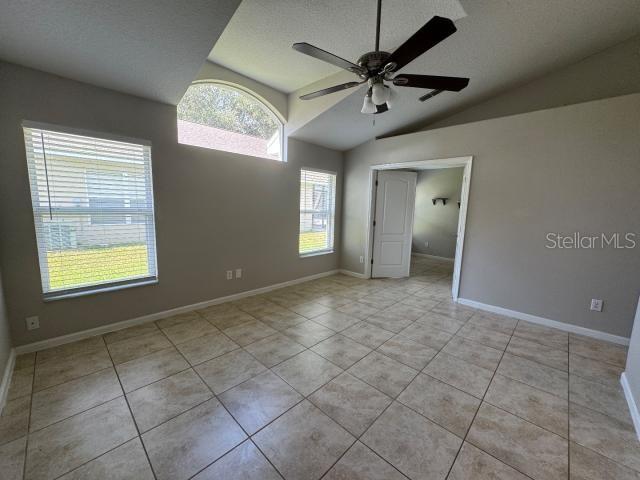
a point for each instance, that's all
(93, 209)
(317, 211)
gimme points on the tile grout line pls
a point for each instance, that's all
(297, 403)
(72, 380)
(26, 444)
(133, 418)
(476, 413)
(112, 366)
(78, 413)
(95, 458)
(305, 348)
(483, 401)
(393, 399)
(248, 437)
(309, 348)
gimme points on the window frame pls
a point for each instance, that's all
(265, 105)
(331, 212)
(114, 285)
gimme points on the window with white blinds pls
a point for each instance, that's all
(317, 211)
(93, 208)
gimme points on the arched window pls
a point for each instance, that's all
(221, 117)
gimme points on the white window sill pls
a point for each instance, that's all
(315, 254)
(53, 296)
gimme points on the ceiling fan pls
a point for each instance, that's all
(378, 67)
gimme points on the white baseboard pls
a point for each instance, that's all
(588, 332)
(434, 257)
(6, 378)
(352, 274)
(72, 337)
(633, 405)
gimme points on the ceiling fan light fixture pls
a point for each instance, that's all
(391, 98)
(379, 93)
(378, 66)
(368, 106)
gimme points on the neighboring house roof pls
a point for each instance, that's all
(218, 139)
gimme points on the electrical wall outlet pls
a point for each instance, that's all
(596, 305)
(361, 259)
(229, 274)
(238, 273)
(32, 323)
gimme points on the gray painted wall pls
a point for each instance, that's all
(5, 337)
(214, 210)
(610, 73)
(562, 170)
(437, 224)
(632, 372)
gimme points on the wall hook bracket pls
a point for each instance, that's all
(442, 199)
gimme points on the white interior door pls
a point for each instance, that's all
(393, 226)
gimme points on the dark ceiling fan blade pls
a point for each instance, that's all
(433, 82)
(429, 95)
(381, 109)
(431, 33)
(326, 91)
(325, 56)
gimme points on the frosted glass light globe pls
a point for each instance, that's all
(379, 94)
(368, 106)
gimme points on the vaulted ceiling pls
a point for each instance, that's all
(257, 42)
(149, 48)
(499, 44)
(154, 48)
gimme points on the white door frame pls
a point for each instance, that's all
(438, 163)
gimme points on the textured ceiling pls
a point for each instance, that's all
(499, 44)
(257, 42)
(150, 48)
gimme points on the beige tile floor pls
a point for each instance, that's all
(337, 378)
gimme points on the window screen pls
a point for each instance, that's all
(93, 208)
(317, 211)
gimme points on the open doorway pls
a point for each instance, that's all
(392, 209)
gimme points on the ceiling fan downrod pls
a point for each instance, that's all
(377, 67)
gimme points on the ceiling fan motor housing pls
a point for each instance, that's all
(374, 61)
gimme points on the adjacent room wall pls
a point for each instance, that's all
(565, 170)
(215, 211)
(609, 73)
(437, 224)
